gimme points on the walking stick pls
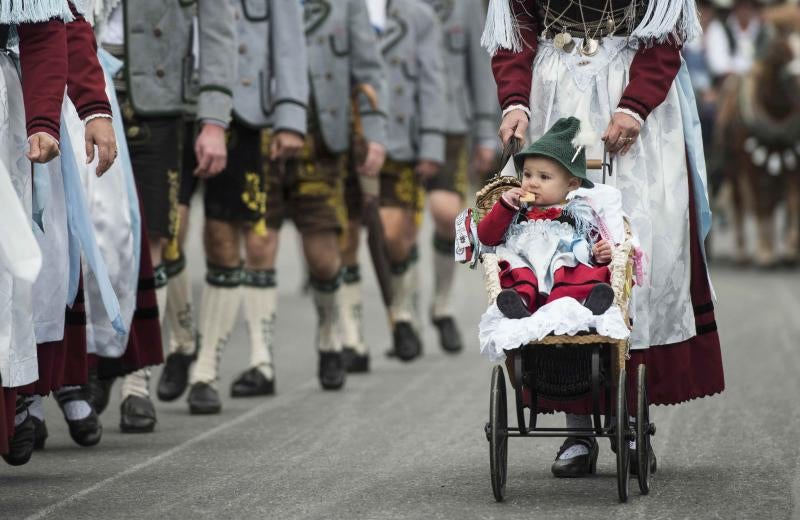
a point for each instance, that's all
(370, 190)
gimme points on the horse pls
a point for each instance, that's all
(757, 140)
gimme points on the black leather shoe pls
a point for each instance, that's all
(600, 298)
(98, 392)
(332, 373)
(634, 457)
(449, 337)
(512, 305)
(356, 363)
(137, 415)
(579, 466)
(85, 432)
(175, 377)
(40, 433)
(203, 399)
(407, 344)
(20, 445)
(252, 383)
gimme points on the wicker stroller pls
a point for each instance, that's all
(565, 368)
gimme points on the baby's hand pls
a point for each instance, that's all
(513, 196)
(602, 252)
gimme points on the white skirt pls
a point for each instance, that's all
(652, 177)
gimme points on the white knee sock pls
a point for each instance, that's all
(327, 296)
(443, 277)
(260, 296)
(350, 312)
(218, 315)
(137, 383)
(74, 410)
(576, 421)
(36, 406)
(161, 280)
(403, 287)
(179, 309)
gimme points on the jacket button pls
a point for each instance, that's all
(157, 32)
(334, 112)
(246, 82)
(160, 73)
(242, 49)
(398, 91)
(329, 76)
(321, 40)
(400, 119)
(134, 131)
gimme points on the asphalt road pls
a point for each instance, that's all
(407, 441)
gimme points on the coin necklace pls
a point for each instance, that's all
(590, 46)
(563, 40)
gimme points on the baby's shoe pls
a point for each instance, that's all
(512, 305)
(600, 298)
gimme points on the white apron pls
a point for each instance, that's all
(652, 177)
(18, 364)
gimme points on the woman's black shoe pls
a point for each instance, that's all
(600, 298)
(137, 415)
(40, 433)
(20, 445)
(85, 432)
(98, 392)
(332, 373)
(175, 376)
(203, 399)
(252, 383)
(512, 305)
(579, 466)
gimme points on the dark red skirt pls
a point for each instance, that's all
(7, 398)
(63, 363)
(144, 347)
(677, 372)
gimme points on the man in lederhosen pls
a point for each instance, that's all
(155, 40)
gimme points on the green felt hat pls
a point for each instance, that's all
(557, 144)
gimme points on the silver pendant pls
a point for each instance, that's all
(611, 26)
(590, 47)
(563, 40)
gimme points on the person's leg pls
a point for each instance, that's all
(400, 200)
(153, 145)
(260, 299)
(350, 314)
(446, 193)
(220, 305)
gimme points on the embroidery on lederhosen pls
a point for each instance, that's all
(173, 250)
(409, 190)
(256, 188)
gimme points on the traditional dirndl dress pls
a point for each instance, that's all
(661, 177)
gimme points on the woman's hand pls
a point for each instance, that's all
(43, 148)
(513, 195)
(100, 133)
(602, 252)
(514, 124)
(621, 133)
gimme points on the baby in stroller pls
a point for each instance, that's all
(548, 237)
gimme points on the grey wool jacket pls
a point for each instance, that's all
(160, 67)
(412, 49)
(342, 53)
(472, 107)
(272, 87)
